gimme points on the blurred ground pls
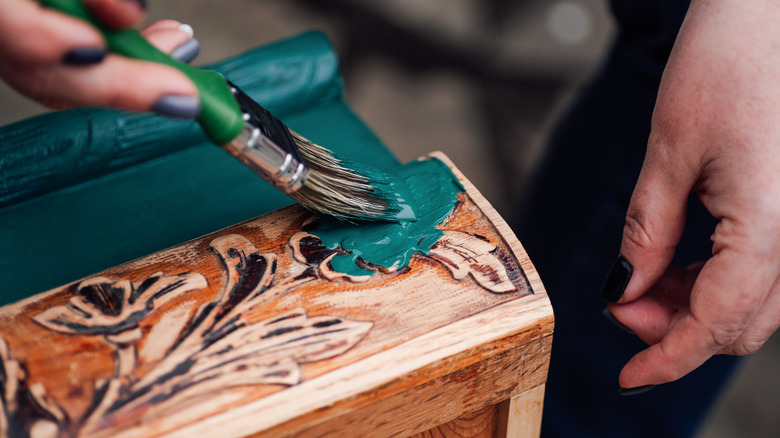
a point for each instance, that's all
(479, 80)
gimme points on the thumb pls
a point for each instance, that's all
(654, 224)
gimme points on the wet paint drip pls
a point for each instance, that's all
(430, 191)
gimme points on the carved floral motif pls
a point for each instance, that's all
(218, 345)
(464, 254)
(461, 253)
(221, 345)
(25, 409)
(103, 306)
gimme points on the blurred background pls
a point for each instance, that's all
(481, 80)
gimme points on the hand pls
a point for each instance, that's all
(715, 132)
(62, 62)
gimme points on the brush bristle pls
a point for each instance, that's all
(334, 188)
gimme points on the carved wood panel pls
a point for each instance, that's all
(234, 317)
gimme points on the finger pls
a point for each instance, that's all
(675, 285)
(651, 316)
(116, 82)
(763, 325)
(174, 38)
(648, 318)
(33, 34)
(654, 224)
(726, 296)
(117, 14)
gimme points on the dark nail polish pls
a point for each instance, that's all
(635, 391)
(617, 279)
(611, 318)
(178, 107)
(187, 51)
(141, 3)
(84, 56)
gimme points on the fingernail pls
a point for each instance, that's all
(186, 28)
(611, 318)
(84, 56)
(179, 107)
(617, 279)
(187, 51)
(635, 391)
(141, 3)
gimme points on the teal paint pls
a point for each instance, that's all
(84, 190)
(390, 187)
(432, 191)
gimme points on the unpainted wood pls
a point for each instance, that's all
(478, 424)
(433, 394)
(521, 415)
(249, 332)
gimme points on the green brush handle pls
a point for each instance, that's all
(219, 115)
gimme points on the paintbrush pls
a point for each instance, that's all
(307, 172)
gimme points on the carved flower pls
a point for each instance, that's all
(461, 253)
(308, 248)
(106, 307)
(226, 343)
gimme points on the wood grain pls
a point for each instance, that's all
(248, 332)
(521, 415)
(480, 424)
(422, 386)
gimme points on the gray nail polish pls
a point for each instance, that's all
(179, 107)
(141, 3)
(187, 51)
(84, 56)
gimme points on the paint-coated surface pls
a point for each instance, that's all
(432, 191)
(87, 189)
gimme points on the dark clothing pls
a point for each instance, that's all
(571, 225)
(650, 26)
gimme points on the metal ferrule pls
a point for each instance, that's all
(267, 146)
(278, 166)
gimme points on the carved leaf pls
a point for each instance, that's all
(248, 276)
(164, 334)
(103, 306)
(250, 371)
(23, 407)
(249, 273)
(288, 336)
(41, 398)
(308, 249)
(179, 393)
(222, 344)
(464, 254)
(12, 378)
(267, 352)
